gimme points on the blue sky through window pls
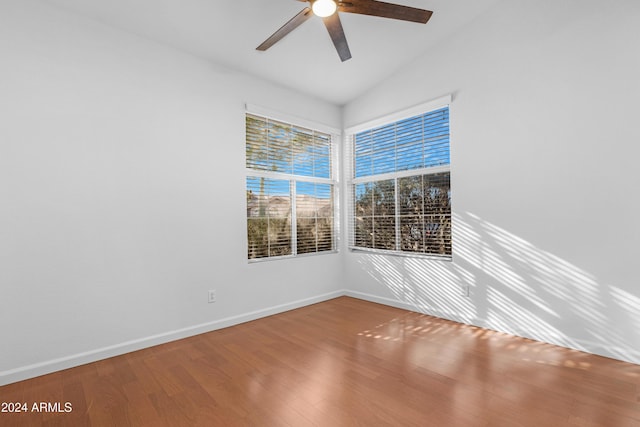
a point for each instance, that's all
(413, 143)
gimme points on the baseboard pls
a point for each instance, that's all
(43, 368)
(35, 370)
(627, 354)
(403, 305)
(380, 300)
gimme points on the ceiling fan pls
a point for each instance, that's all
(328, 11)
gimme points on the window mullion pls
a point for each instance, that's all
(373, 217)
(294, 218)
(402, 174)
(395, 187)
(397, 213)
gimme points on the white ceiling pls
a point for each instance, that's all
(228, 31)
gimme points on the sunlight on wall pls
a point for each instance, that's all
(515, 287)
(629, 303)
(428, 286)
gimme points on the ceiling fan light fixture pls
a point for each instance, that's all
(324, 8)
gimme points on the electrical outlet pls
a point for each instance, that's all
(466, 291)
(212, 296)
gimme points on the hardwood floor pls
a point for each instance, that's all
(344, 362)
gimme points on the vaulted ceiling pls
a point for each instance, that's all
(228, 31)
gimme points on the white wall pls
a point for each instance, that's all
(545, 138)
(122, 194)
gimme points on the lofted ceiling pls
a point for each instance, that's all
(228, 31)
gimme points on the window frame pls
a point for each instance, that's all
(333, 181)
(352, 180)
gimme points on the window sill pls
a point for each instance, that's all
(431, 257)
(275, 258)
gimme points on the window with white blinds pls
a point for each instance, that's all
(400, 188)
(290, 189)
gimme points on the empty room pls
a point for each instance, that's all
(319, 213)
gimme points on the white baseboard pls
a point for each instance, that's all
(401, 304)
(31, 371)
(628, 354)
(47, 367)
(378, 299)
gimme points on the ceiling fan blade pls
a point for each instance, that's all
(334, 26)
(385, 10)
(291, 25)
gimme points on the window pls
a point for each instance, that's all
(400, 189)
(290, 189)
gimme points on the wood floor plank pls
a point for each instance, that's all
(343, 362)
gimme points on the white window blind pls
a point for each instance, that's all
(290, 189)
(401, 192)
